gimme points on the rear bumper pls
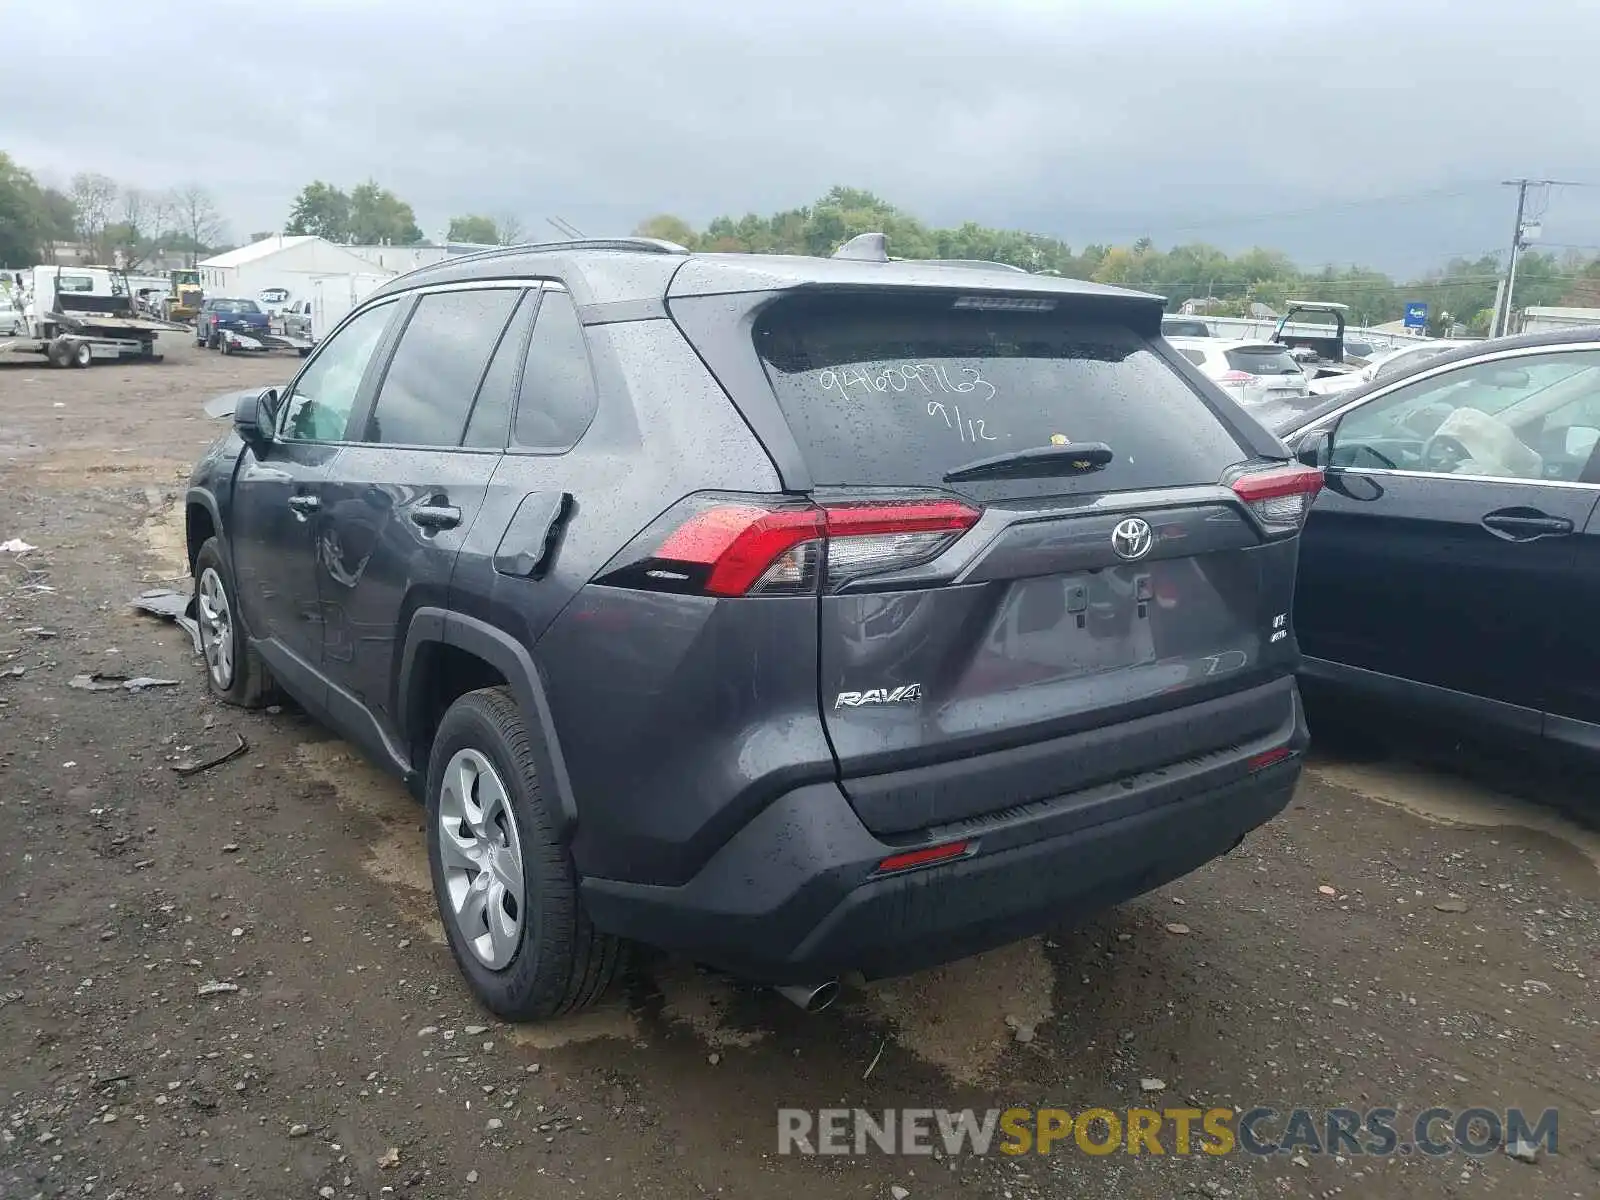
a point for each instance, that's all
(793, 896)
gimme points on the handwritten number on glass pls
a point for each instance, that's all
(970, 430)
(933, 378)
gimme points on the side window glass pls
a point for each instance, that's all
(432, 379)
(1495, 419)
(492, 413)
(558, 396)
(319, 406)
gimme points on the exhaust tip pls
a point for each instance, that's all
(811, 997)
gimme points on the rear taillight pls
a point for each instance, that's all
(1279, 496)
(747, 546)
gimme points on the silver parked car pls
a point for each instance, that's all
(1253, 373)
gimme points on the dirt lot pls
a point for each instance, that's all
(1401, 937)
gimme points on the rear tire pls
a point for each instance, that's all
(244, 682)
(547, 958)
(224, 346)
(82, 355)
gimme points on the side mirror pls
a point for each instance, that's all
(253, 417)
(1314, 448)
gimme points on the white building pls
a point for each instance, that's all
(279, 261)
(400, 259)
(1536, 319)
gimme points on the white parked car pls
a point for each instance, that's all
(1385, 365)
(1253, 373)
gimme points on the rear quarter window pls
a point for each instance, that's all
(887, 392)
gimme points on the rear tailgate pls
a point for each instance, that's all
(1059, 630)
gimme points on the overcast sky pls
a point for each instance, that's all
(1368, 131)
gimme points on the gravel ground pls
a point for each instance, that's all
(233, 983)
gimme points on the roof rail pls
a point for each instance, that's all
(636, 244)
(976, 264)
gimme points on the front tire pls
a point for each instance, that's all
(506, 887)
(82, 355)
(234, 671)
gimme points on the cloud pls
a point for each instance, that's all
(1366, 131)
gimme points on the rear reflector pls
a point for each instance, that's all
(1271, 758)
(1236, 377)
(924, 857)
(1280, 496)
(758, 546)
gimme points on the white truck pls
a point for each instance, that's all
(74, 315)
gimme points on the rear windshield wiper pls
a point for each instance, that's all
(1077, 459)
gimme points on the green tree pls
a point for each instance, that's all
(481, 230)
(59, 219)
(23, 215)
(378, 215)
(668, 228)
(1232, 283)
(320, 209)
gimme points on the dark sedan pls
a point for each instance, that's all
(1452, 561)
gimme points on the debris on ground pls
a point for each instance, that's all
(1177, 927)
(39, 631)
(99, 681)
(15, 546)
(13, 673)
(195, 768)
(1152, 1085)
(1452, 906)
(173, 606)
(871, 1066)
(10, 997)
(216, 989)
(390, 1159)
(1523, 1151)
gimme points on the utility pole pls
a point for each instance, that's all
(1502, 315)
(1501, 324)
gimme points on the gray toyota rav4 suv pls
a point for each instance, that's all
(804, 616)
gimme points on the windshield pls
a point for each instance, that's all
(897, 393)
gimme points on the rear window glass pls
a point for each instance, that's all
(1182, 328)
(1263, 360)
(896, 393)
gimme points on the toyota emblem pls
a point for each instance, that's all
(1132, 538)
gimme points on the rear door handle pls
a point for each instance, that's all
(1528, 524)
(305, 503)
(436, 516)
